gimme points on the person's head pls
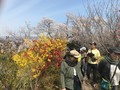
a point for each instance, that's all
(114, 53)
(83, 49)
(93, 45)
(74, 55)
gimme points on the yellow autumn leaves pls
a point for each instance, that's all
(40, 54)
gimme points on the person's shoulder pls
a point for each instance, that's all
(64, 63)
(104, 60)
(79, 63)
(97, 49)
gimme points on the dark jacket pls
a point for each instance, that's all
(104, 67)
(67, 74)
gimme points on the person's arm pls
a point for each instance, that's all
(62, 74)
(98, 55)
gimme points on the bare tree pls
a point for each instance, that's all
(24, 32)
(45, 26)
(101, 24)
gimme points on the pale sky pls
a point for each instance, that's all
(14, 13)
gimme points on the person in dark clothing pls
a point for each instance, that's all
(71, 75)
(109, 67)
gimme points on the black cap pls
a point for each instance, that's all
(93, 43)
(115, 50)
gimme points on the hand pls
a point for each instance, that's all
(64, 89)
(90, 54)
(93, 59)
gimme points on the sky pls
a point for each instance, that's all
(14, 13)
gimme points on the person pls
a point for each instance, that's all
(93, 55)
(107, 67)
(71, 75)
(83, 52)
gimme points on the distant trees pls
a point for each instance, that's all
(101, 24)
(51, 28)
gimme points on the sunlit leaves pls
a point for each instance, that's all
(41, 54)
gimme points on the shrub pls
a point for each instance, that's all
(34, 61)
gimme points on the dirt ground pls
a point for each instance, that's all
(88, 86)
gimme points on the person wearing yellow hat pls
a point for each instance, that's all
(71, 74)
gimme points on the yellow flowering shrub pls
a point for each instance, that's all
(40, 54)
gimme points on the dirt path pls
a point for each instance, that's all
(87, 85)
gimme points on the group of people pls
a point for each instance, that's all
(85, 63)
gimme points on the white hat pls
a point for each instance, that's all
(75, 53)
(83, 48)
